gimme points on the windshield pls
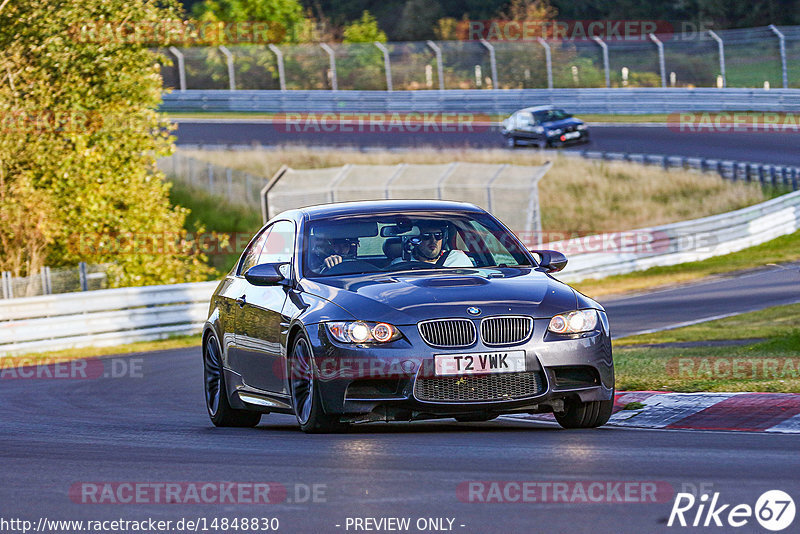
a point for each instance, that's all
(552, 115)
(408, 241)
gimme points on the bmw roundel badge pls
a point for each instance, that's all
(472, 310)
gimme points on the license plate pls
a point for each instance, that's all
(572, 135)
(512, 361)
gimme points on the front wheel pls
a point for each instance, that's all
(586, 414)
(306, 394)
(219, 409)
(511, 141)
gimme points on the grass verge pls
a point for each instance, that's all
(779, 250)
(772, 365)
(56, 356)
(578, 197)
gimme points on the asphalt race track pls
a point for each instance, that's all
(150, 426)
(772, 285)
(761, 147)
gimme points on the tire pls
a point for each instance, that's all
(219, 409)
(474, 418)
(586, 414)
(305, 392)
(511, 141)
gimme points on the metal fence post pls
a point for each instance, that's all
(445, 175)
(210, 172)
(387, 65)
(782, 43)
(492, 62)
(721, 47)
(82, 271)
(279, 59)
(181, 67)
(229, 61)
(548, 61)
(8, 290)
(489, 206)
(332, 61)
(229, 178)
(606, 67)
(439, 66)
(44, 274)
(661, 65)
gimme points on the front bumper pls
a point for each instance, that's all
(371, 382)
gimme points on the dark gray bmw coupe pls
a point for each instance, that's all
(401, 310)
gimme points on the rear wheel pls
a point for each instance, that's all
(586, 414)
(511, 141)
(219, 409)
(305, 392)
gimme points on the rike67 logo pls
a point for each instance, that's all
(774, 510)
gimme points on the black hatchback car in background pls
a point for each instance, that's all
(543, 126)
(401, 310)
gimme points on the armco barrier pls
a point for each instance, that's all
(481, 102)
(680, 242)
(117, 316)
(103, 317)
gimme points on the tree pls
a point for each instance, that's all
(364, 30)
(285, 17)
(81, 136)
(418, 20)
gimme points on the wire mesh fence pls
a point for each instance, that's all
(508, 191)
(49, 280)
(747, 58)
(238, 187)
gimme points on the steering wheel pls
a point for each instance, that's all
(410, 265)
(346, 262)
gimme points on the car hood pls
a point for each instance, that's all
(407, 298)
(564, 123)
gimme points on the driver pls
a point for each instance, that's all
(430, 248)
(330, 252)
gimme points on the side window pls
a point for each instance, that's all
(251, 255)
(279, 245)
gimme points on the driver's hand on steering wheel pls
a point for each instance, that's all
(330, 261)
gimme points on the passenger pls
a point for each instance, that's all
(431, 250)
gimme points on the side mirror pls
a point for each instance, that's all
(266, 274)
(551, 261)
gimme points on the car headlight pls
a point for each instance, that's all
(539, 129)
(582, 127)
(573, 322)
(555, 131)
(362, 332)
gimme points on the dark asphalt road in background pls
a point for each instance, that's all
(150, 426)
(773, 285)
(778, 148)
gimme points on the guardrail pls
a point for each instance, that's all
(767, 174)
(103, 317)
(486, 102)
(679, 242)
